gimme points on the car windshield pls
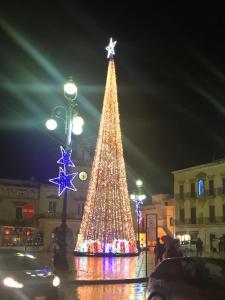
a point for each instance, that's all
(212, 273)
(18, 261)
(207, 272)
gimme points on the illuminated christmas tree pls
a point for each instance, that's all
(107, 226)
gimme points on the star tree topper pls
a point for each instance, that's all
(64, 181)
(110, 48)
(65, 159)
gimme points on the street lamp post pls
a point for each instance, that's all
(70, 92)
(138, 198)
(154, 224)
(71, 125)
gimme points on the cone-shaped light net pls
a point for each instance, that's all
(107, 225)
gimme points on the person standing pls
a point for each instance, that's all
(159, 250)
(221, 245)
(173, 249)
(199, 247)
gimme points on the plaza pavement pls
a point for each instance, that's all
(87, 270)
(95, 277)
(95, 270)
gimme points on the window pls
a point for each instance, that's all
(211, 187)
(223, 188)
(19, 215)
(52, 207)
(182, 215)
(80, 209)
(200, 187)
(181, 191)
(223, 213)
(193, 215)
(211, 213)
(192, 189)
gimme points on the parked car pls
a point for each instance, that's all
(186, 278)
(23, 277)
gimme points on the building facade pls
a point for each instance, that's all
(14, 195)
(17, 230)
(159, 217)
(200, 204)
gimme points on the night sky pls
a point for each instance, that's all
(170, 63)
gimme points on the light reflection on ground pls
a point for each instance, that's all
(112, 267)
(106, 292)
(95, 268)
(106, 267)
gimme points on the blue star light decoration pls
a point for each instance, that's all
(110, 48)
(66, 158)
(138, 203)
(64, 181)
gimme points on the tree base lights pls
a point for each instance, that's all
(115, 248)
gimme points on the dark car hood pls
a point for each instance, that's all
(28, 275)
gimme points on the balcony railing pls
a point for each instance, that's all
(201, 220)
(188, 195)
(56, 215)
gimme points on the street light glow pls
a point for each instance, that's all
(70, 88)
(77, 127)
(51, 124)
(139, 183)
(142, 197)
(132, 197)
(78, 121)
(77, 130)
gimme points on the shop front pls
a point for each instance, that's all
(20, 236)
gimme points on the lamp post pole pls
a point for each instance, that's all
(138, 233)
(61, 263)
(73, 123)
(154, 224)
(138, 199)
(146, 234)
(68, 132)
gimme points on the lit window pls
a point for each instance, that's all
(201, 187)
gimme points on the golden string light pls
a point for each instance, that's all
(107, 224)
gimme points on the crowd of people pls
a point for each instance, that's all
(171, 248)
(167, 249)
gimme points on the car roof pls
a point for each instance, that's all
(192, 258)
(4, 251)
